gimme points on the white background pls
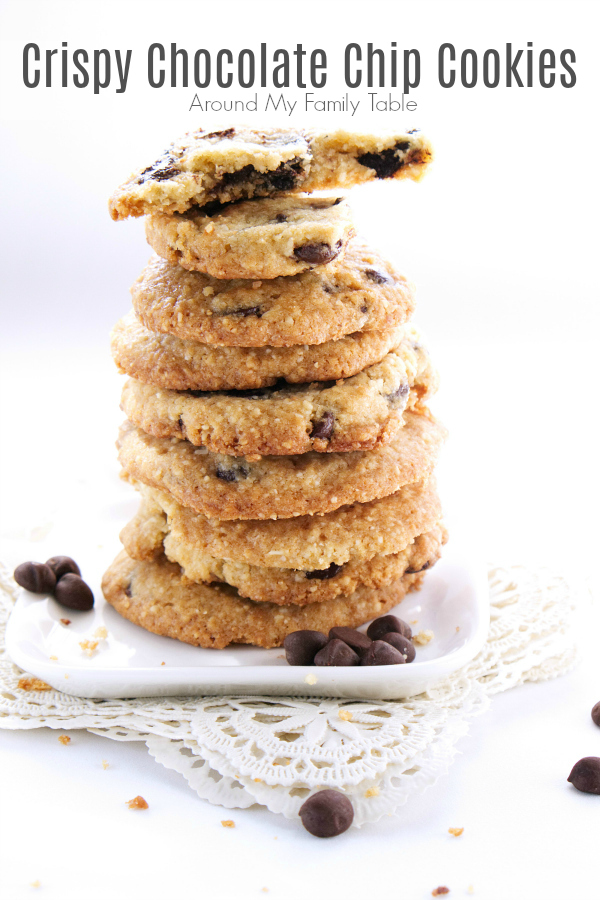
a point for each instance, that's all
(501, 239)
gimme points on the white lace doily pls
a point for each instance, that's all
(276, 751)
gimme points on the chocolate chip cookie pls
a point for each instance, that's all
(362, 292)
(147, 538)
(309, 543)
(157, 596)
(283, 235)
(241, 162)
(169, 362)
(229, 487)
(355, 413)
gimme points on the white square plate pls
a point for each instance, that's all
(131, 662)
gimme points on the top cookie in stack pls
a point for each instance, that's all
(277, 427)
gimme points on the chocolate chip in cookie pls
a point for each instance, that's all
(317, 254)
(323, 428)
(232, 472)
(387, 162)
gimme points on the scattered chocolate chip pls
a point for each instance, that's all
(73, 592)
(327, 814)
(229, 132)
(385, 624)
(231, 473)
(281, 217)
(387, 162)
(596, 714)
(359, 642)
(301, 647)
(62, 565)
(380, 653)
(323, 428)
(413, 131)
(285, 177)
(244, 313)
(331, 571)
(364, 309)
(317, 254)
(337, 653)
(35, 577)
(426, 565)
(401, 643)
(163, 169)
(377, 277)
(400, 394)
(585, 775)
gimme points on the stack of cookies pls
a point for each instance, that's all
(276, 422)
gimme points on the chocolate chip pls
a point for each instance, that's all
(387, 162)
(35, 577)
(244, 313)
(426, 565)
(327, 814)
(359, 642)
(128, 591)
(233, 472)
(377, 277)
(331, 571)
(73, 592)
(163, 169)
(400, 394)
(317, 254)
(62, 565)
(596, 714)
(402, 645)
(585, 775)
(301, 647)
(385, 624)
(323, 427)
(221, 134)
(281, 217)
(364, 309)
(285, 177)
(337, 653)
(380, 653)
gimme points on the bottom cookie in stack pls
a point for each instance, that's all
(212, 583)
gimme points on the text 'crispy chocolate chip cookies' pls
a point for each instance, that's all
(277, 428)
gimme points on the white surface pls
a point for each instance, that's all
(131, 662)
(503, 248)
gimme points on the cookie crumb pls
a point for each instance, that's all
(423, 637)
(209, 228)
(345, 714)
(64, 739)
(311, 679)
(372, 791)
(105, 764)
(29, 683)
(457, 628)
(414, 621)
(101, 632)
(257, 780)
(163, 664)
(438, 891)
(65, 621)
(456, 831)
(35, 884)
(256, 285)
(137, 803)
(470, 889)
(227, 823)
(265, 890)
(89, 647)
